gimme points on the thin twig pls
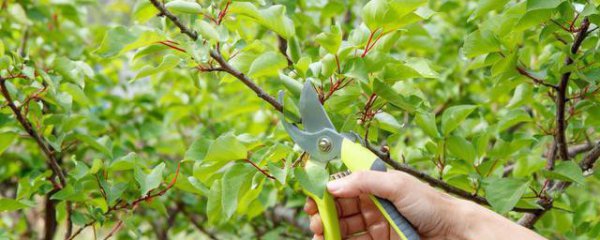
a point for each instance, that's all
(536, 80)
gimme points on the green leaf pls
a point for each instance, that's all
(387, 93)
(454, 116)
(504, 193)
(387, 122)
(512, 118)
(542, 4)
(101, 144)
(292, 85)
(566, 171)
(7, 204)
(207, 30)
(279, 173)
(81, 170)
(120, 39)
(77, 93)
(198, 149)
(181, 6)
(214, 206)
(273, 18)
(69, 193)
(313, 178)
(226, 148)
(1, 48)
(331, 40)
(357, 69)
(96, 166)
(150, 181)
(144, 11)
(426, 121)
(523, 94)
(267, 64)
(385, 14)
(126, 162)
(7, 139)
(168, 62)
(460, 147)
(485, 6)
(421, 66)
(533, 18)
(233, 188)
(478, 43)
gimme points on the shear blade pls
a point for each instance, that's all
(314, 117)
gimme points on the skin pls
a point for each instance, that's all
(435, 215)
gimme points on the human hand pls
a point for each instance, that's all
(434, 215)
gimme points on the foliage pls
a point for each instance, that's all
(134, 119)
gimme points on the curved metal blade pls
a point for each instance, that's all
(314, 117)
(308, 140)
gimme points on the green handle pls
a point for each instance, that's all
(329, 217)
(356, 158)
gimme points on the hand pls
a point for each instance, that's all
(434, 215)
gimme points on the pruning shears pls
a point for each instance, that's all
(324, 143)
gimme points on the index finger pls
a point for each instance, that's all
(310, 207)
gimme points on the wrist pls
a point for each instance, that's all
(470, 219)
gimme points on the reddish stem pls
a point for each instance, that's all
(264, 172)
(369, 45)
(222, 13)
(169, 44)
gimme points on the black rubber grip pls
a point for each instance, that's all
(400, 221)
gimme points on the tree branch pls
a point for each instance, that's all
(561, 96)
(216, 55)
(559, 147)
(283, 46)
(268, 98)
(436, 182)
(53, 158)
(164, 12)
(47, 149)
(536, 80)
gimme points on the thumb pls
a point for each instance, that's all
(389, 185)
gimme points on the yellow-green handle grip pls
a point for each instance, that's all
(356, 158)
(328, 213)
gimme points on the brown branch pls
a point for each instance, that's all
(559, 147)
(283, 46)
(264, 172)
(590, 158)
(47, 149)
(53, 159)
(536, 80)
(164, 12)
(114, 230)
(246, 80)
(436, 182)
(50, 223)
(561, 96)
(262, 94)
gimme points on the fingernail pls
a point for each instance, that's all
(334, 186)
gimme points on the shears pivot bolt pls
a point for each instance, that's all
(324, 144)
